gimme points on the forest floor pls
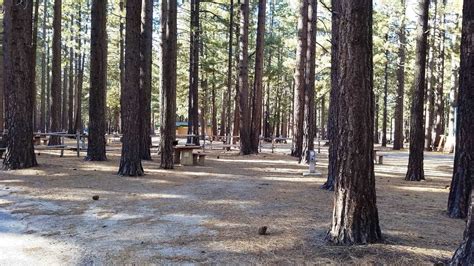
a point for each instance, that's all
(212, 213)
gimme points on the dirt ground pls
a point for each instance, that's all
(211, 213)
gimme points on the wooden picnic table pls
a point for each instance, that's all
(183, 154)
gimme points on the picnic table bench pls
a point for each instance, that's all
(377, 159)
(184, 154)
(52, 148)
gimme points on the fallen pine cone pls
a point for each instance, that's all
(95, 197)
(262, 230)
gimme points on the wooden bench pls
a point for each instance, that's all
(184, 154)
(199, 158)
(52, 148)
(378, 159)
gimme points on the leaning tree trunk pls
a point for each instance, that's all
(245, 145)
(145, 79)
(17, 52)
(130, 161)
(98, 83)
(299, 96)
(398, 133)
(415, 162)
(168, 81)
(257, 99)
(333, 99)
(463, 174)
(56, 75)
(355, 216)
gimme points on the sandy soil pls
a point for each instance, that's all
(211, 214)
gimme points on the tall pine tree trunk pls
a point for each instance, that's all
(34, 44)
(461, 184)
(299, 96)
(56, 75)
(257, 98)
(145, 79)
(415, 161)
(98, 83)
(431, 86)
(80, 77)
(333, 99)
(18, 83)
(229, 72)
(193, 101)
(245, 145)
(70, 110)
(385, 99)
(355, 216)
(310, 115)
(64, 97)
(122, 53)
(168, 83)
(2, 78)
(439, 123)
(399, 102)
(130, 161)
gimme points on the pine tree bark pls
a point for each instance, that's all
(333, 98)
(98, 83)
(399, 101)
(257, 99)
(18, 52)
(223, 113)
(463, 174)
(56, 75)
(415, 161)
(439, 123)
(70, 110)
(245, 144)
(236, 122)
(34, 44)
(464, 254)
(168, 81)
(122, 53)
(355, 216)
(80, 77)
(310, 115)
(230, 56)
(431, 86)
(385, 99)
(64, 97)
(376, 122)
(299, 96)
(193, 101)
(145, 79)
(42, 120)
(2, 78)
(130, 161)
(214, 107)
(48, 86)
